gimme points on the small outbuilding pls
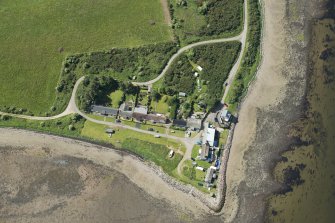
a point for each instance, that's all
(225, 116)
(110, 131)
(182, 94)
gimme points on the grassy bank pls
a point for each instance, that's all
(156, 153)
(251, 57)
(69, 126)
(34, 44)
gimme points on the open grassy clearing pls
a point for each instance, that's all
(36, 36)
(153, 152)
(144, 145)
(161, 106)
(200, 20)
(116, 98)
(97, 132)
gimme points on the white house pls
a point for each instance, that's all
(209, 135)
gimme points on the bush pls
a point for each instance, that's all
(96, 92)
(146, 62)
(251, 58)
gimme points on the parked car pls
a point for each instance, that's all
(171, 153)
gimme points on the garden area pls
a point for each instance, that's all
(203, 88)
(144, 145)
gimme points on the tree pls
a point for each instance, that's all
(155, 96)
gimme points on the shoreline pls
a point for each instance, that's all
(263, 121)
(152, 179)
(209, 204)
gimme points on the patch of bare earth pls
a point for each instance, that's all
(166, 11)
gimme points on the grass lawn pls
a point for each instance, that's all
(161, 106)
(223, 137)
(191, 176)
(154, 152)
(97, 132)
(147, 146)
(102, 118)
(36, 36)
(116, 98)
(195, 153)
(178, 133)
(130, 97)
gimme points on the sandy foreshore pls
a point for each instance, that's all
(275, 99)
(266, 90)
(135, 169)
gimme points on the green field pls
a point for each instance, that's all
(153, 152)
(144, 145)
(36, 36)
(97, 132)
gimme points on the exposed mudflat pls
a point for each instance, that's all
(36, 186)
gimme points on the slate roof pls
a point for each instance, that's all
(104, 110)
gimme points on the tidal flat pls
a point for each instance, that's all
(308, 168)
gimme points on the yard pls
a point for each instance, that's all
(35, 43)
(97, 132)
(145, 145)
(116, 98)
(161, 106)
(192, 176)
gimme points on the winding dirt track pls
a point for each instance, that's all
(72, 107)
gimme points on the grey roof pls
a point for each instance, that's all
(179, 122)
(204, 151)
(157, 118)
(140, 117)
(126, 114)
(104, 110)
(209, 175)
(194, 123)
(126, 106)
(141, 109)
